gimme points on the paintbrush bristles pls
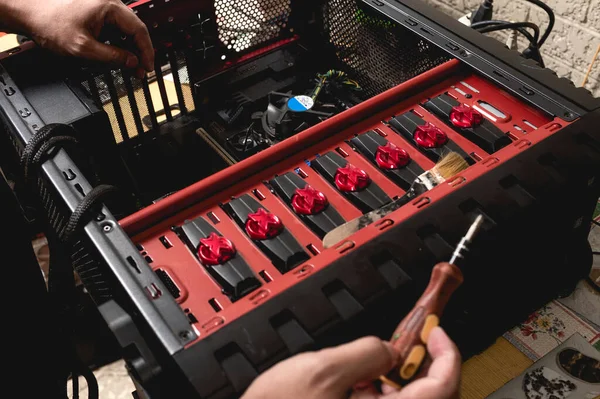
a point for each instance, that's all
(450, 165)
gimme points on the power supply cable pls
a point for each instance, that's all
(502, 25)
(551, 19)
(533, 51)
(483, 13)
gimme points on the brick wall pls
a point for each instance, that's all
(571, 45)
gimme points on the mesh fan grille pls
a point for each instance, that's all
(245, 23)
(380, 53)
(134, 107)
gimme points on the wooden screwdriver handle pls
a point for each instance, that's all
(410, 337)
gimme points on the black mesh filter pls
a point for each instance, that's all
(380, 54)
(245, 23)
(135, 106)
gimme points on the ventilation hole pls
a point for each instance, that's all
(456, 181)
(531, 125)
(469, 87)
(512, 136)
(519, 128)
(215, 305)
(451, 94)
(69, 174)
(342, 152)
(192, 318)
(313, 250)
(139, 247)
(475, 156)
(144, 253)
(417, 112)
(213, 218)
(148, 259)
(265, 276)
(422, 202)
(165, 242)
(554, 127)
(345, 246)
(493, 110)
(258, 194)
(384, 224)
(79, 189)
(301, 173)
(133, 264)
(153, 291)
(462, 92)
(381, 132)
(169, 283)
(500, 75)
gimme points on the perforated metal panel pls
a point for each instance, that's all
(136, 106)
(245, 23)
(380, 54)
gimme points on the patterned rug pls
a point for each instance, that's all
(549, 327)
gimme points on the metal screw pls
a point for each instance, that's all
(184, 335)
(100, 217)
(568, 114)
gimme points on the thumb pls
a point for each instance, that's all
(95, 51)
(361, 360)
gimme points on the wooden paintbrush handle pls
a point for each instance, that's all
(411, 335)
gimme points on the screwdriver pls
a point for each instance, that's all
(410, 337)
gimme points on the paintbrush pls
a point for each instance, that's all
(447, 167)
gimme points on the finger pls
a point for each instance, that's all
(121, 16)
(443, 378)
(362, 360)
(96, 51)
(446, 358)
(140, 73)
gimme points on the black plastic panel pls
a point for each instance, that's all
(368, 143)
(486, 135)
(368, 199)
(283, 250)
(321, 223)
(235, 276)
(407, 123)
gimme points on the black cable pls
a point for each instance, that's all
(596, 222)
(550, 13)
(492, 26)
(533, 51)
(41, 154)
(484, 12)
(37, 141)
(82, 214)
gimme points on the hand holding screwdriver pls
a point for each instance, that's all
(410, 337)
